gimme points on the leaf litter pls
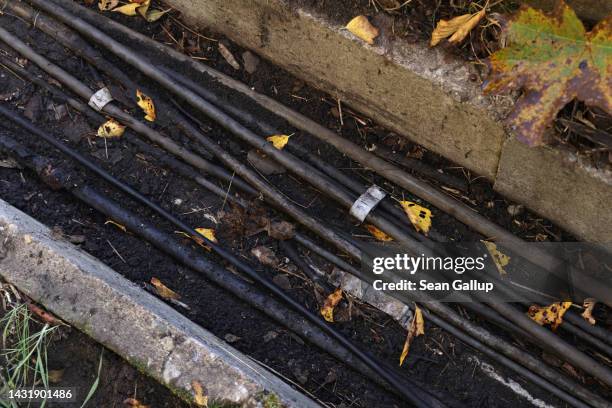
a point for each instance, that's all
(417, 328)
(553, 59)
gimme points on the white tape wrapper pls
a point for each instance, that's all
(366, 202)
(100, 99)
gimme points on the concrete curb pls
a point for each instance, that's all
(134, 324)
(421, 93)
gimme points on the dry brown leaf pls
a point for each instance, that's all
(378, 234)
(147, 105)
(199, 398)
(589, 304)
(417, 328)
(361, 27)
(265, 255)
(55, 376)
(552, 314)
(111, 128)
(327, 310)
(116, 224)
(105, 5)
(228, 56)
(45, 316)
(500, 259)
(164, 291)
(281, 230)
(457, 28)
(134, 403)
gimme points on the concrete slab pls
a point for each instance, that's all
(560, 187)
(134, 324)
(421, 93)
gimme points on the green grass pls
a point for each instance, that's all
(24, 352)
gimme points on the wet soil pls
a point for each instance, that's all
(436, 360)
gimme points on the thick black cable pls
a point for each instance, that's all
(190, 257)
(408, 389)
(347, 267)
(445, 203)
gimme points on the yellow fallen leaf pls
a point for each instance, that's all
(589, 304)
(279, 141)
(327, 311)
(417, 328)
(361, 27)
(378, 234)
(207, 233)
(105, 5)
(116, 224)
(128, 9)
(144, 8)
(164, 291)
(199, 398)
(499, 257)
(146, 104)
(155, 14)
(552, 314)
(457, 28)
(111, 128)
(419, 216)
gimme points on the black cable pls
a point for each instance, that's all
(409, 390)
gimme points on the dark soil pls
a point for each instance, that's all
(78, 358)
(436, 360)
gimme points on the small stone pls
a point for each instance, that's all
(515, 209)
(76, 239)
(231, 338)
(59, 111)
(177, 201)
(301, 375)
(250, 61)
(269, 336)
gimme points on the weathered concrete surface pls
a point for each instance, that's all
(115, 312)
(560, 187)
(419, 92)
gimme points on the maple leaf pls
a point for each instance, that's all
(554, 60)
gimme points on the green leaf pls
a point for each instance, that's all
(553, 60)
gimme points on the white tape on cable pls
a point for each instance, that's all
(100, 99)
(366, 202)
